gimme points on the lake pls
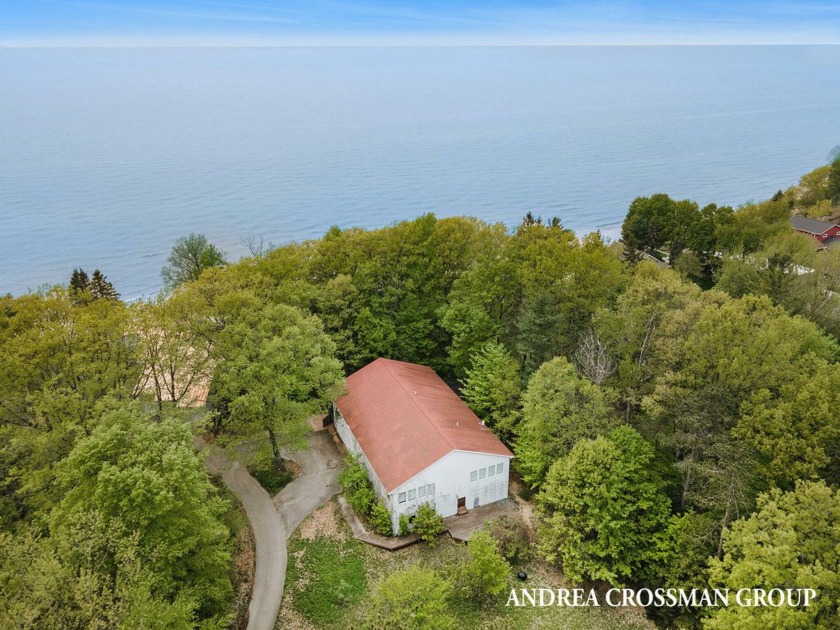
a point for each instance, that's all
(108, 155)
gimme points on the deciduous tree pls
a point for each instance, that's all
(606, 512)
(790, 542)
(492, 388)
(277, 368)
(415, 598)
(559, 408)
(190, 256)
(486, 573)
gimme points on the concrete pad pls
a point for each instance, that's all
(461, 527)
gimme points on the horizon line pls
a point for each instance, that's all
(432, 44)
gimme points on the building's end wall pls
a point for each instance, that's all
(452, 479)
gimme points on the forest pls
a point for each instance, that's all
(672, 400)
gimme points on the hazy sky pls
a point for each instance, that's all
(292, 22)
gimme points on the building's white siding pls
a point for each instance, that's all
(353, 446)
(451, 476)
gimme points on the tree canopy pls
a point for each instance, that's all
(789, 542)
(190, 256)
(606, 511)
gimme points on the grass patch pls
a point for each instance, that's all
(330, 579)
(269, 475)
(326, 577)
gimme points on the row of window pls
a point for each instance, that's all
(417, 493)
(481, 473)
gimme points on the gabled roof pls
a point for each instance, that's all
(406, 418)
(811, 226)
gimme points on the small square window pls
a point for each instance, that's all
(491, 471)
(401, 497)
(499, 469)
(431, 487)
(474, 475)
(411, 494)
(421, 491)
(482, 473)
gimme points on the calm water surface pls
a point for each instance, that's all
(107, 156)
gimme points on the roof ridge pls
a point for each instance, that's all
(422, 411)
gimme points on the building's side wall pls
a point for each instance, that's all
(451, 476)
(353, 446)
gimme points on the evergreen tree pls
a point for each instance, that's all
(79, 281)
(492, 388)
(79, 286)
(539, 332)
(100, 288)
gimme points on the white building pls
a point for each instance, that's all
(419, 441)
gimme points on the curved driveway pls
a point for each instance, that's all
(320, 465)
(269, 537)
(316, 483)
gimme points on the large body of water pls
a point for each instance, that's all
(107, 156)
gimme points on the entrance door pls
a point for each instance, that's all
(462, 505)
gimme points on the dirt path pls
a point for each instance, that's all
(269, 535)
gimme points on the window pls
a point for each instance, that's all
(431, 488)
(474, 475)
(491, 471)
(411, 495)
(499, 469)
(482, 473)
(421, 491)
(401, 497)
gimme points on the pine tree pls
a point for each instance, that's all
(492, 388)
(79, 282)
(539, 332)
(101, 288)
(79, 287)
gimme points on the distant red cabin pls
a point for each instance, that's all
(820, 230)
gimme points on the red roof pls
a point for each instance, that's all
(406, 418)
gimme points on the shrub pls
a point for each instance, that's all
(512, 537)
(486, 572)
(356, 485)
(265, 469)
(406, 526)
(428, 523)
(380, 519)
(363, 500)
(412, 599)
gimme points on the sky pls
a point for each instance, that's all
(411, 22)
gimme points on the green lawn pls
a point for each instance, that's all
(330, 576)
